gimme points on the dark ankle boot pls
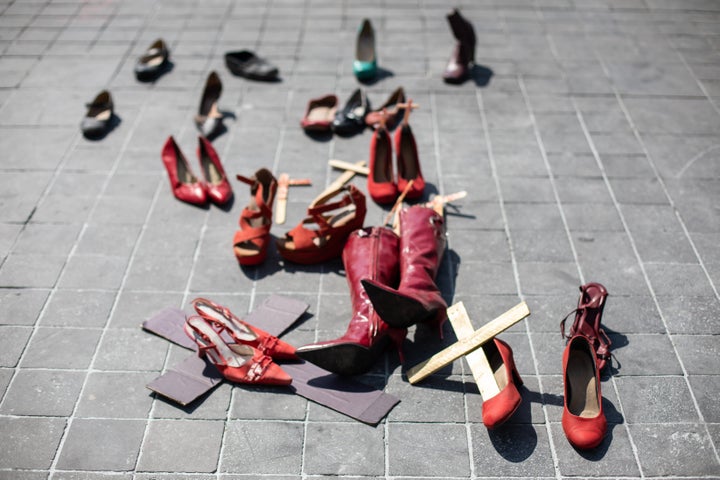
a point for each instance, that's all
(417, 299)
(458, 67)
(369, 254)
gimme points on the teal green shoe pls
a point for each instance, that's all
(365, 64)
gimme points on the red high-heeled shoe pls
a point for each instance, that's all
(236, 362)
(218, 188)
(380, 181)
(250, 243)
(330, 223)
(243, 332)
(583, 419)
(498, 409)
(588, 316)
(408, 161)
(183, 182)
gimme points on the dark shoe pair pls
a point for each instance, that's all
(153, 62)
(245, 63)
(98, 119)
(351, 119)
(463, 56)
(188, 187)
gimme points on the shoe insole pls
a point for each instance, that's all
(408, 168)
(220, 353)
(212, 174)
(239, 330)
(321, 113)
(382, 172)
(184, 175)
(582, 386)
(496, 364)
(365, 51)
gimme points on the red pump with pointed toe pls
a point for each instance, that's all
(183, 182)
(583, 419)
(408, 160)
(217, 185)
(498, 409)
(381, 181)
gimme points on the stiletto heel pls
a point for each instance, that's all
(251, 241)
(499, 408)
(209, 119)
(408, 161)
(183, 182)
(243, 332)
(381, 182)
(583, 420)
(588, 316)
(236, 362)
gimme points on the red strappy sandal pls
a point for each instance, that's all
(251, 241)
(588, 315)
(322, 234)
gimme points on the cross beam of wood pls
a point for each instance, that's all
(284, 184)
(479, 364)
(353, 167)
(468, 344)
(338, 183)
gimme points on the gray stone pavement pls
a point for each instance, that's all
(588, 142)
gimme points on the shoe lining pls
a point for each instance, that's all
(582, 385)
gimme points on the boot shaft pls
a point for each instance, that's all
(422, 246)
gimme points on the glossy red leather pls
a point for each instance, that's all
(242, 332)
(217, 185)
(583, 419)
(183, 182)
(417, 298)
(498, 409)
(381, 181)
(370, 253)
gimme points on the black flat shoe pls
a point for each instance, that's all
(97, 119)
(209, 119)
(246, 64)
(154, 61)
(351, 118)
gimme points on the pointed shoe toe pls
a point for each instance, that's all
(183, 182)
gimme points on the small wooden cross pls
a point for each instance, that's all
(284, 184)
(340, 181)
(468, 344)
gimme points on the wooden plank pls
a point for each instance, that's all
(353, 167)
(481, 370)
(338, 183)
(468, 344)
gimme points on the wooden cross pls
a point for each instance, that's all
(469, 344)
(284, 184)
(340, 181)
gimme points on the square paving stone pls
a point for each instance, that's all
(262, 448)
(30, 443)
(43, 393)
(94, 271)
(116, 395)
(705, 388)
(475, 278)
(133, 350)
(22, 306)
(47, 239)
(547, 246)
(641, 354)
(344, 449)
(699, 353)
(172, 445)
(156, 272)
(13, 340)
(673, 115)
(630, 314)
(613, 457)
(690, 315)
(533, 216)
(53, 347)
(257, 403)
(23, 475)
(676, 449)
(20, 270)
(656, 399)
(547, 278)
(586, 217)
(113, 240)
(101, 444)
(420, 402)
(78, 308)
(449, 454)
(134, 307)
(512, 450)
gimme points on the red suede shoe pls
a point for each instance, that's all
(183, 182)
(243, 332)
(498, 409)
(216, 183)
(236, 362)
(583, 419)
(250, 243)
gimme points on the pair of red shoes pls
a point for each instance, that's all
(249, 355)
(382, 186)
(586, 353)
(185, 185)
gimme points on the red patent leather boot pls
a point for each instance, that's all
(372, 254)
(417, 298)
(583, 420)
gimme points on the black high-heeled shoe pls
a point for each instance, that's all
(209, 119)
(351, 118)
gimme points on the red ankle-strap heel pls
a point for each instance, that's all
(588, 316)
